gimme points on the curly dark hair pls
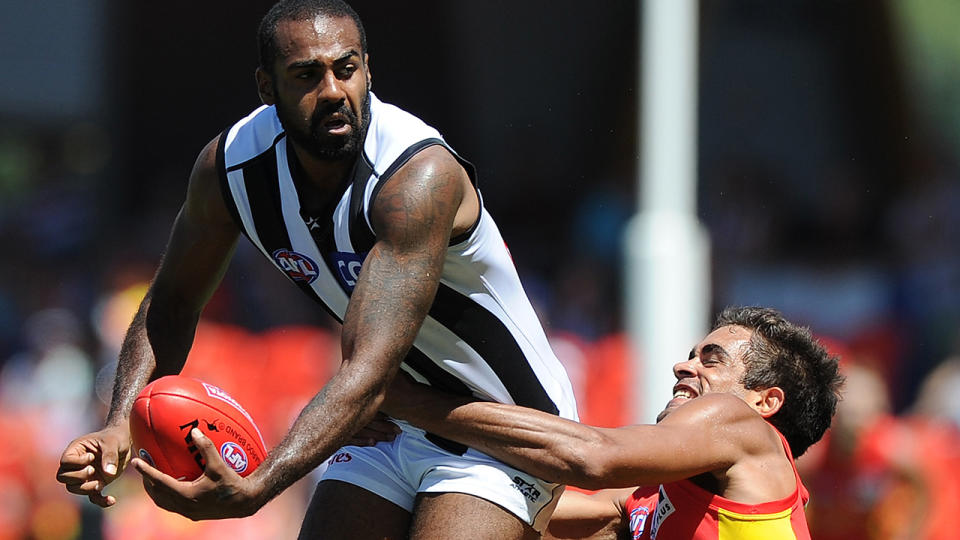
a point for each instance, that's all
(786, 355)
(299, 10)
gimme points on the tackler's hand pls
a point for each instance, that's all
(380, 429)
(218, 493)
(404, 394)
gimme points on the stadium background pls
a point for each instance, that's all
(829, 133)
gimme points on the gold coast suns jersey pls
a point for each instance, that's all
(683, 510)
(481, 336)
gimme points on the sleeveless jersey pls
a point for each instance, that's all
(683, 510)
(481, 336)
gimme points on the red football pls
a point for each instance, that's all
(169, 407)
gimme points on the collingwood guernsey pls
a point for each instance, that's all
(481, 336)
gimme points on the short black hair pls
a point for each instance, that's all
(784, 354)
(300, 10)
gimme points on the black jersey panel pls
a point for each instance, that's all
(443, 380)
(361, 237)
(487, 335)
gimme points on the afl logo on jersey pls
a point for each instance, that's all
(297, 266)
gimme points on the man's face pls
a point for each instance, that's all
(320, 86)
(715, 365)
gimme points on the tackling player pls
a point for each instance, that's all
(719, 463)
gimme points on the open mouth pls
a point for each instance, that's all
(683, 393)
(336, 125)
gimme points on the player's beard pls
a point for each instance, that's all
(329, 147)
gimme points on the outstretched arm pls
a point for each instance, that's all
(413, 217)
(160, 336)
(703, 435)
(199, 250)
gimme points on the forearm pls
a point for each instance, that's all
(156, 344)
(343, 406)
(542, 444)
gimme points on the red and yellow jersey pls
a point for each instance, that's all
(683, 510)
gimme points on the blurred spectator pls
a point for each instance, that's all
(877, 476)
(845, 479)
(45, 393)
(939, 399)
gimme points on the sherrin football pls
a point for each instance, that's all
(169, 407)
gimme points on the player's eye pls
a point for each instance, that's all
(709, 360)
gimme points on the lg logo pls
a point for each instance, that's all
(349, 272)
(348, 267)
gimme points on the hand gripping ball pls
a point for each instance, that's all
(168, 408)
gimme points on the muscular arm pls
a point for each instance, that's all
(161, 334)
(413, 217)
(197, 254)
(707, 434)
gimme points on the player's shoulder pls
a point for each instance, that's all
(737, 420)
(393, 135)
(251, 136)
(205, 167)
(721, 404)
(388, 115)
(724, 413)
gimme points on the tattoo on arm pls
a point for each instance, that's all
(412, 217)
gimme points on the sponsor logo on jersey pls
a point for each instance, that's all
(348, 267)
(297, 266)
(528, 489)
(638, 521)
(144, 455)
(663, 511)
(340, 457)
(233, 454)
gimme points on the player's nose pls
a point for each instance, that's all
(684, 369)
(331, 88)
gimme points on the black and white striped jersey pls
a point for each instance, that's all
(481, 336)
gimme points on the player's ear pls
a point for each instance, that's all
(265, 87)
(768, 401)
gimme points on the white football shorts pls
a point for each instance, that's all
(411, 464)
